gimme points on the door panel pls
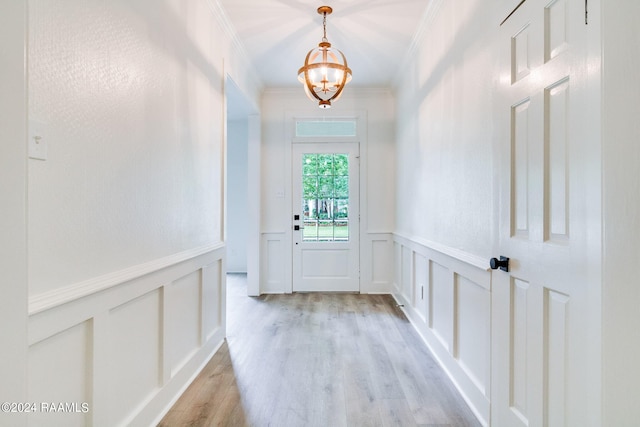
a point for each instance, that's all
(520, 169)
(540, 307)
(556, 162)
(325, 212)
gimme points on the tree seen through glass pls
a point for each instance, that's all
(325, 198)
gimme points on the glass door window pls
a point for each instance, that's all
(325, 197)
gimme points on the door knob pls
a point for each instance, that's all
(502, 263)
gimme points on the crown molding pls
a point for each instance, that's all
(230, 31)
(227, 26)
(427, 18)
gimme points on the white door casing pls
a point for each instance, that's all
(541, 371)
(326, 253)
(13, 205)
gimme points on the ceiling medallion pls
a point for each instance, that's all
(325, 71)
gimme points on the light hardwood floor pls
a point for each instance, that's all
(319, 360)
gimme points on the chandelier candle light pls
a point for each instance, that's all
(325, 71)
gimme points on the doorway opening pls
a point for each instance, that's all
(242, 186)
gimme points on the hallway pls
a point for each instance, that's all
(319, 360)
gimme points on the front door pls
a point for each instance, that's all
(325, 216)
(544, 349)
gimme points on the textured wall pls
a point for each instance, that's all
(444, 132)
(128, 96)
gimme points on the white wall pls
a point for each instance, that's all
(377, 169)
(125, 217)
(125, 105)
(237, 202)
(445, 162)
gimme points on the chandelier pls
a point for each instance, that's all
(325, 71)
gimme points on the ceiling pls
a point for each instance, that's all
(374, 35)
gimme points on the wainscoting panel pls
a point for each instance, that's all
(377, 255)
(50, 362)
(127, 349)
(421, 285)
(397, 262)
(276, 255)
(446, 294)
(213, 298)
(134, 336)
(182, 305)
(442, 304)
(406, 285)
(473, 331)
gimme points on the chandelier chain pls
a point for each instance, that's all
(324, 26)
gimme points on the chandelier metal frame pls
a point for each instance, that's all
(314, 74)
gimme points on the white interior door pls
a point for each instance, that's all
(325, 216)
(542, 373)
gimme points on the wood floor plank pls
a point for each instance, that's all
(396, 413)
(319, 359)
(422, 396)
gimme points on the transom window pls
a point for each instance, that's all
(326, 128)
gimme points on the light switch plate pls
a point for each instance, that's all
(38, 149)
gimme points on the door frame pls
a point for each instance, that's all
(291, 117)
(249, 111)
(13, 229)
